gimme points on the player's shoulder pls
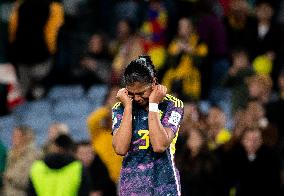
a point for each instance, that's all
(117, 105)
(172, 99)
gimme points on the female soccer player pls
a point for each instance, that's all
(145, 127)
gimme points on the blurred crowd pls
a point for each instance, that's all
(223, 58)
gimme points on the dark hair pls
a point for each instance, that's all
(130, 23)
(140, 70)
(65, 142)
(217, 107)
(271, 3)
(238, 50)
(83, 143)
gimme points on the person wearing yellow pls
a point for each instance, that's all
(99, 124)
(33, 30)
(59, 173)
(54, 22)
(183, 76)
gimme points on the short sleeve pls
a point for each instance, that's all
(117, 113)
(173, 115)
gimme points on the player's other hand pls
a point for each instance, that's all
(122, 96)
(158, 93)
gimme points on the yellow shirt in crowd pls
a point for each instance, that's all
(102, 141)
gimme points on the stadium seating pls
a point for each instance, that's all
(67, 104)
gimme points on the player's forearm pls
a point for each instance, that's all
(122, 137)
(159, 137)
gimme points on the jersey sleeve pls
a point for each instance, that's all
(173, 115)
(117, 113)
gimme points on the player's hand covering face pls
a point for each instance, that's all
(158, 93)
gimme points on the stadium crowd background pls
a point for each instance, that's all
(61, 64)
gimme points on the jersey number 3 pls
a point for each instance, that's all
(145, 136)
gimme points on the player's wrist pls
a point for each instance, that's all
(153, 107)
(128, 106)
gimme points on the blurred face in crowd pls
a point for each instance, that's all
(21, 138)
(123, 30)
(259, 87)
(216, 118)
(255, 90)
(238, 7)
(255, 110)
(195, 141)
(264, 11)
(255, 113)
(85, 154)
(17, 138)
(240, 60)
(155, 4)
(191, 112)
(52, 133)
(96, 44)
(251, 141)
(185, 28)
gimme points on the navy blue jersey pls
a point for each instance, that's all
(145, 172)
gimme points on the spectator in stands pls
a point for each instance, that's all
(54, 130)
(275, 108)
(274, 111)
(20, 158)
(265, 35)
(185, 53)
(265, 42)
(99, 124)
(259, 88)
(192, 116)
(101, 184)
(154, 29)
(254, 166)
(236, 78)
(126, 46)
(96, 64)
(199, 168)
(59, 173)
(216, 130)
(191, 119)
(3, 156)
(211, 30)
(255, 114)
(33, 29)
(238, 23)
